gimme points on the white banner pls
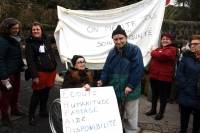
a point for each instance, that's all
(88, 33)
(94, 111)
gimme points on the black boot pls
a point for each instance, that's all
(32, 121)
(32, 108)
(151, 112)
(153, 108)
(6, 120)
(159, 116)
(153, 104)
(44, 113)
(44, 94)
(17, 113)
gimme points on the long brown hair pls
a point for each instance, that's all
(7, 24)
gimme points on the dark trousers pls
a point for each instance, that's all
(38, 97)
(160, 89)
(10, 98)
(185, 117)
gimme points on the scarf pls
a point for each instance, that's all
(198, 56)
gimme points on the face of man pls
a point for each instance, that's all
(119, 40)
(195, 46)
(14, 30)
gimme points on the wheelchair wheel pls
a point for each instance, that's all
(55, 117)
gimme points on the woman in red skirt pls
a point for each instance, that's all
(42, 68)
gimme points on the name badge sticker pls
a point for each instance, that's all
(42, 49)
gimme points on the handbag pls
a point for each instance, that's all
(27, 74)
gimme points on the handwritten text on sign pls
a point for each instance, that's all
(94, 111)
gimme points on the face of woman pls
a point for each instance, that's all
(80, 64)
(36, 31)
(195, 46)
(14, 30)
(166, 41)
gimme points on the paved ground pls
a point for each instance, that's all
(170, 123)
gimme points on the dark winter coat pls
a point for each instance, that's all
(162, 64)
(10, 57)
(36, 60)
(124, 68)
(188, 79)
(77, 78)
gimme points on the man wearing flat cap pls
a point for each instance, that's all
(123, 70)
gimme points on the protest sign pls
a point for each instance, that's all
(94, 111)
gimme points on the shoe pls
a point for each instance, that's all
(7, 123)
(32, 121)
(151, 112)
(159, 116)
(17, 113)
(183, 131)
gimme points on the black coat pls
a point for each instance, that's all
(188, 79)
(38, 61)
(10, 57)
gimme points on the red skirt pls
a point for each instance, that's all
(46, 79)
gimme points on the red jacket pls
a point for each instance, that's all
(162, 64)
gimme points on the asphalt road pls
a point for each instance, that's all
(20, 124)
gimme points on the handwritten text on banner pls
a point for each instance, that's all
(88, 33)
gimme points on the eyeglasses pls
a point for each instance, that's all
(80, 62)
(194, 44)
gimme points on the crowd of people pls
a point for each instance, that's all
(123, 70)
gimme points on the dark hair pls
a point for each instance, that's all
(75, 58)
(7, 24)
(37, 24)
(168, 35)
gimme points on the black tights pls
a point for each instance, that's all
(38, 96)
(160, 89)
(185, 117)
